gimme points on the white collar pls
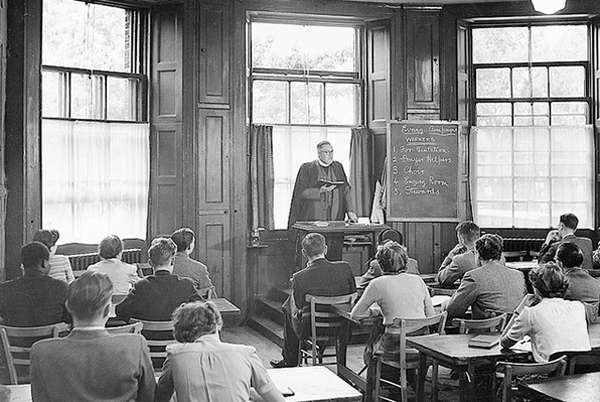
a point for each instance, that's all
(323, 163)
(209, 338)
(98, 328)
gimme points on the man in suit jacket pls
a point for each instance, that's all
(582, 286)
(155, 297)
(90, 364)
(566, 234)
(462, 258)
(35, 298)
(186, 267)
(319, 278)
(491, 289)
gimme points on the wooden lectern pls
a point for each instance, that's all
(334, 232)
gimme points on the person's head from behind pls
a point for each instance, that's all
(489, 247)
(392, 257)
(569, 255)
(48, 237)
(467, 232)
(35, 256)
(89, 298)
(390, 235)
(313, 246)
(110, 247)
(325, 152)
(549, 281)
(567, 224)
(184, 239)
(161, 254)
(195, 319)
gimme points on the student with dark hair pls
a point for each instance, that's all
(463, 257)
(555, 325)
(90, 364)
(35, 298)
(60, 266)
(565, 233)
(374, 269)
(233, 369)
(122, 275)
(491, 289)
(155, 297)
(185, 266)
(582, 286)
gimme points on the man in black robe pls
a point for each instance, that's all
(322, 191)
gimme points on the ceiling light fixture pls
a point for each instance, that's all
(548, 6)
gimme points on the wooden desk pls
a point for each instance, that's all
(575, 388)
(316, 383)
(225, 307)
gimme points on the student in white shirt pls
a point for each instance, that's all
(555, 325)
(121, 274)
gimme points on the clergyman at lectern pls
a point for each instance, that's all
(322, 191)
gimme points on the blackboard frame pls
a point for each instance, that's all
(459, 145)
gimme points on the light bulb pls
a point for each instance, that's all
(548, 6)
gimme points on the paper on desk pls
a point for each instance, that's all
(524, 345)
(437, 300)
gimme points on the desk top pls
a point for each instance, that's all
(339, 227)
(575, 388)
(316, 383)
(522, 265)
(225, 307)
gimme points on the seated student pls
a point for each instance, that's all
(60, 266)
(155, 297)
(491, 289)
(463, 257)
(202, 368)
(566, 234)
(122, 275)
(555, 325)
(185, 266)
(90, 364)
(373, 268)
(320, 278)
(582, 286)
(34, 299)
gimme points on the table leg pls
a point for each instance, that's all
(466, 384)
(342, 340)
(422, 373)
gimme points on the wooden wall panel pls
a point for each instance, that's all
(3, 37)
(214, 246)
(213, 148)
(378, 73)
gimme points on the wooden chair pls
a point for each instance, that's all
(494, 324)
(590, 358)
(511, 370)
(418, 326)
(435, 291)
(19, 341)
(158, 335)
(207, 292)
(135, 328)
(324, 327)
(10, 375)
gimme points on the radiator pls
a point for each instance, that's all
(522, 244)
(80, 262)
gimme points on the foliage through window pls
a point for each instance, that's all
(306, 83)
(533, 145)
(94, 135)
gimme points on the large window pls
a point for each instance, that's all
(533, 145)
(94, 130)
(306, 83)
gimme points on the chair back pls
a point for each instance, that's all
(7, 366)
(494, 324)
(135, 328)
(436, 291)
(207, 292)
(510, 370)
(20, 340)
(158, 335)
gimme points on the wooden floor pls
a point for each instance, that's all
(268, 351)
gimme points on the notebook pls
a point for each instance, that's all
(484, 341)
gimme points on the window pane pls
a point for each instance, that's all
(559, 42)
(531, 139)
(303, 47)
(269, 102)
(52, 94)
(531, 114)
(122, 97)
(567, 81)
(569, 113)
(86, 96)
(340, 103)
(493, 45)
(494, 214)
(530, 82)
(532, 214)
(493, 82)
(307, 103)
(528, 189)
(77, 34)
(493, 114)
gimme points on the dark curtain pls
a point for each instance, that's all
(261, 176)
(361, 169)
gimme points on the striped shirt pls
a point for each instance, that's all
(60, 268)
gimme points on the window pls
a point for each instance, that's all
(306, 83)
(533, 145)
(94, 135)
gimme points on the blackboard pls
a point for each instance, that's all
(422, 163)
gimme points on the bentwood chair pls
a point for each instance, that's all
(7, 366)
(158, 334)
(135, 328)
(407, 359)
(494, 324)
